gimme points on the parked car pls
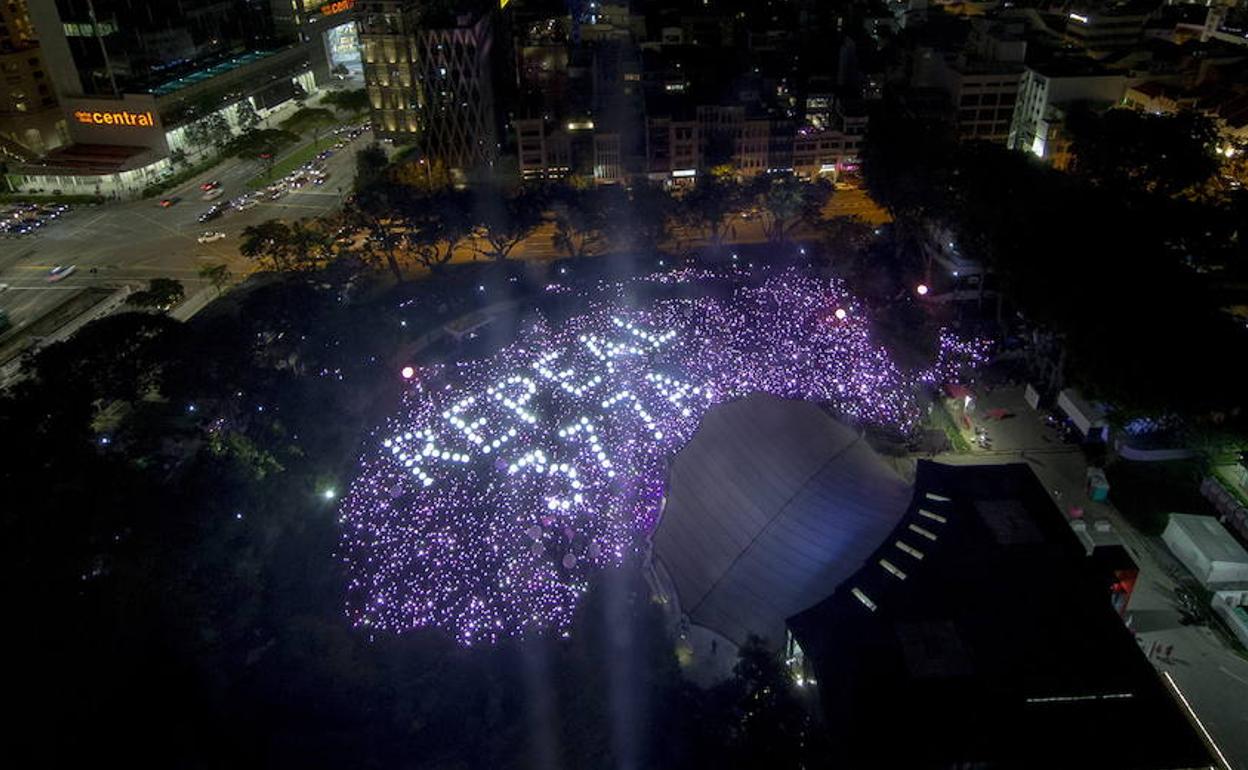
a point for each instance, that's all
(211, 236)
(167, 202)
(213, 194)
(213, 185)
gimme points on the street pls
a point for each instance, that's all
(131, 242)
(128, 243)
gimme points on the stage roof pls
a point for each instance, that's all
(769, 506)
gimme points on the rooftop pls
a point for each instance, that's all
(1211, 538)
(980, 633)
(207, 73)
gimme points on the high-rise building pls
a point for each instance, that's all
(1107, 26)
(30, 123)
(134, 46)
(133, 78)
(327, 28)
(1046, 91)
(431, 71)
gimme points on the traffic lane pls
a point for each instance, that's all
(27, 301)
(134, 241)
(1213, 679)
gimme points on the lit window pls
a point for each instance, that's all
(915, 528)
(933, 516)
(860, 596)
(909, 549)
(892, 568)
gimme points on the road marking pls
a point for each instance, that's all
(41, 288)
(297, 206)
(161, 225)
(1232, 675)
(86, 224)
(1192, 713)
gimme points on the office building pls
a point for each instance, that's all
(328, 29)
(1047, 90)
(133, 76)
(30, 123)
(430, 74)
(1105, 27)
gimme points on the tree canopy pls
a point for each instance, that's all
(1167, 154)
(350, 102)
(1102, 266)
(506, 218)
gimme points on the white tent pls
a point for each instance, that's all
(1207, 549)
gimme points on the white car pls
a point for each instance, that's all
(4, 287)
(212, 194)
(211, 236)
(250, 203)
(61, 272)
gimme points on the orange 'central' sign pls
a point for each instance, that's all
(329, 9)
(119, 118)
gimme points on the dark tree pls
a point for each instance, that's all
(1124, 148)
(710, 205)
(582, 217)
(273, 241)
(350, 102)
(161, 294)
(786, 202)
(118, 358)
(442, 222)
(646, 221)
(506, 219)
(376, 209)
(370, 166)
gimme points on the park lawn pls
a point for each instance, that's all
(1146, 493)
(286, 165)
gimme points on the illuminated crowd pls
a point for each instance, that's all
(504, 483)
